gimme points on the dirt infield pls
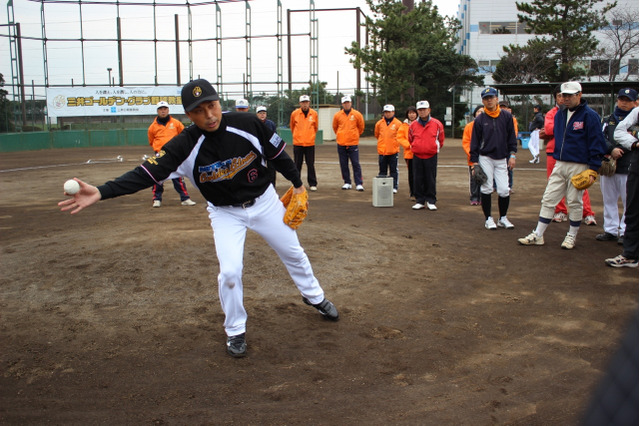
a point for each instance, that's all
(112, 316)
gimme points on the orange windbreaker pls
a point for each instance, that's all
(466, 141)
(348, 128)
(304, 129)
(403, 139)
(387, 136)
(160, 135)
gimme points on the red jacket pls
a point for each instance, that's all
(548, 128)
(426, 140)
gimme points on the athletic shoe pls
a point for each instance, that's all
(503, 222)
(620, 261)
(560, 217)
(157, 203)
(532, 240)
(188, 202)
(395, 191)
(359, 188)
(605, 236)
(490, 224)
(535, 160)
(569, 242)
(237, 346)
(475, 202)
(326, 308)
(590, 220)
(313, 188)
(418, 206)
(432, 207)
(346, 186)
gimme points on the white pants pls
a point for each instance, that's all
(534, 143)
(495, 169)
(230, 226)
(558, 186)
(613, 188)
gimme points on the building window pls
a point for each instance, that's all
(599, 67)
(510, 27)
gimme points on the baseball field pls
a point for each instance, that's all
(111, 316)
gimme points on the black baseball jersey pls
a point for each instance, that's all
(228, 166)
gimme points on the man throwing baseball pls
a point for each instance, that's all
(225, 156)
(579, 146)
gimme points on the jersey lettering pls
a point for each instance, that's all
(225, 169)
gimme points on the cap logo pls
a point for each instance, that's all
(197, 92)
(626, 91)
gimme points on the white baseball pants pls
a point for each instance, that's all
(230, 226)
(495, 169)
(613, 188)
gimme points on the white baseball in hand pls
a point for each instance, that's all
(71, 187)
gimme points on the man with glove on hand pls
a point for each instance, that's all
(579, 148)
(225, 157)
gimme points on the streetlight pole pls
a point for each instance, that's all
(109, 71)
(453, 114)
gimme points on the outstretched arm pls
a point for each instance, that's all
(87, 196)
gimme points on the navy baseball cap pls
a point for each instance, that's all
(197, 91)
(628, 93)
(489, 91)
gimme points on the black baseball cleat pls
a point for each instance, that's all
(237, 346)
(326, 308)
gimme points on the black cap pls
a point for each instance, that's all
(197, 91)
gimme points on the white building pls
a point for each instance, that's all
(488, 25)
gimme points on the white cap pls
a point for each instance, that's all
(242, 103)
(346, 99)
(570, 87)
(162, 104)
(422, 104)
(261, 108)
(304, 98)
(388, 107)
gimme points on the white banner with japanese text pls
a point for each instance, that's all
(111, 101)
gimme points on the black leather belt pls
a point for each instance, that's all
(245, 204)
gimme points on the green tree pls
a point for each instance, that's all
(566, 28)
(411, 55)
(526, 64)
(5, 110)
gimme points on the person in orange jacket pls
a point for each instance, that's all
(348, 125)
(474, 188)
(386, 131)
(546, 132)
(411, 115)
(304, 127)
(163, 128)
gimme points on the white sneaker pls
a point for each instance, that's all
(503, 222)
(157, 203)
(490, 224)
(418, 206)
(359, 188)
(569, 242)
(346, 186)
(432, 207)
(590, 220)
(532, 240)
(560, 217)
(188, 202)
(395, 191)
(313, 188)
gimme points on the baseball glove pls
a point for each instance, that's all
(297, 206)
(582, 180)
(479, 175)
(608, 167)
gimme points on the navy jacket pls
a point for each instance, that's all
(581, 139)
(493, 137)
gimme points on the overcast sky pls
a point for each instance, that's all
(336, 30)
